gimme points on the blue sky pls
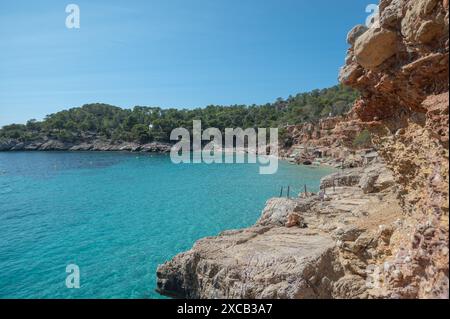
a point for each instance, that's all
(168, 53)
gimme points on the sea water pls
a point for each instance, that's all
(117, 216)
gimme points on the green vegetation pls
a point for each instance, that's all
(363, 139)
(147, 124)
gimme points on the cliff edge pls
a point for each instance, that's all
(400, 67)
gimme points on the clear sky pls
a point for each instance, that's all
(168, 53)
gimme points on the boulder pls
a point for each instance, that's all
(385, 180)
(375, 46)
(355, 33)
(277, 211)
(428, 31)
(350, 73)
(346, 178)
(367, 182)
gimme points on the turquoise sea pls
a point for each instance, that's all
(117, 216)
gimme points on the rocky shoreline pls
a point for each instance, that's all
(96, 145)
(329, 142)
(311, 246)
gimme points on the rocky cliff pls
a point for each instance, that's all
(374, 232)
(331, 140)
(400, 66)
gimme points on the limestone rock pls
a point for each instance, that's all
(348, 233)
(350, 287)
(295, 220)
(54, 145)
(437, 117)
(391, 13)
(414, 26)
(7, 144)
(367, 182)
(99, 145)
(281, 263)
(277, 211)
(404, 103)
(156, 148)
(82, 147)
(428, 31)
(345, 178)
(277, 258)
(355, 33)
(350, 73)
(375, 46)
(385, 180)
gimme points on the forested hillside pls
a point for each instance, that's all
(146, 124)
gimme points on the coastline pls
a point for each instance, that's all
(297, 248)
(12, 145)
(98, 145)
(153, 148)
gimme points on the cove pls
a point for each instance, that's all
(118, 215)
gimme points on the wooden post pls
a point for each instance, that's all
(288, 191)
(281, 191)
(306, 191)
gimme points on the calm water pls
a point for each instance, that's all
(117, 216)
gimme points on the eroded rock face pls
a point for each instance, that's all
(404, 102)
(345, 178)
(393, 11)
(423, 23)
(330, 141)
(259, 262)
